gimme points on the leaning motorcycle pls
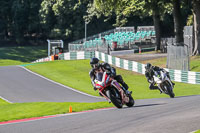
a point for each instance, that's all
(164, 83)
(112, 90)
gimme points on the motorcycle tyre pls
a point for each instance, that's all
(131, 102)
(113, 99)
(170, 91)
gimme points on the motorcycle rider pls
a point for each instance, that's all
(149, 72)
(105, 67)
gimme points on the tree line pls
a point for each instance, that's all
(26, 21)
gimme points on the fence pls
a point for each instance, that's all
(176, 75)
(178, 57)
(69, 56)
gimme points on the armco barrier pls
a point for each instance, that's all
(176, 75)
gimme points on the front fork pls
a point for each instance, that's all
(160, 89)
(100, 91)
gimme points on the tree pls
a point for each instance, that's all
(196, 14)
(154, 6)
(47, 16)
(5, 18)
(64, 18)
(178, 21)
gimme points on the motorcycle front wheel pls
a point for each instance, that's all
(131, 101)
(115, 97)
(169, 90)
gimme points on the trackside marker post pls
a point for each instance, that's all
(140, 50)
(70, 109)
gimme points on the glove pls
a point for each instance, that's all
(95, 88)
(108, 72)
(150, 81)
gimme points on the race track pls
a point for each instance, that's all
(19, 85)
(163, 115)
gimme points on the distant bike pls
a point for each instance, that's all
(112, 90)
(164, 83)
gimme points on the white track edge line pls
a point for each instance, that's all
(59, 83)
(5, 99)
(193, 131)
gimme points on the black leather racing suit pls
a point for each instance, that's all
(149, 75)
(110, 70)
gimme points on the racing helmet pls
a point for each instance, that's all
(148, 66)
(94, 62)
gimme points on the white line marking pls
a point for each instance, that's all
(5, 99)
(193, 131)
(60, 83)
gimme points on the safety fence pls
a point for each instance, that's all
(176, 75)
(69, 56)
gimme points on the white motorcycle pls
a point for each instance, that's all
(164, 83)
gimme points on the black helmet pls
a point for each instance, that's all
(148, 66)
(94, 62)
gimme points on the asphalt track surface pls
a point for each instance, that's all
(164, 115)
(18, 85)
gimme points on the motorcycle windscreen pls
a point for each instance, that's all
(99, 76)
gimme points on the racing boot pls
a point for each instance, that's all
(125, 88)
(152, 87)
(128, 93)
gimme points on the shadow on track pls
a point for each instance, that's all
(145, 105)
(186, 96)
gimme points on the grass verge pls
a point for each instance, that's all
(197, 131)
(16, 111)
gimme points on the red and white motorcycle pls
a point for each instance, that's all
(112, 90)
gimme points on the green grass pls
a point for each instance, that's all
(2, 102)
(6, 62)
(195, 64)
(21, 55)
(197, 131)
(75, 74)
(28, 110)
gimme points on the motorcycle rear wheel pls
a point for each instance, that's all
(115, 97)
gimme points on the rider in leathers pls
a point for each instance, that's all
(105, 67)
(149, 72)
